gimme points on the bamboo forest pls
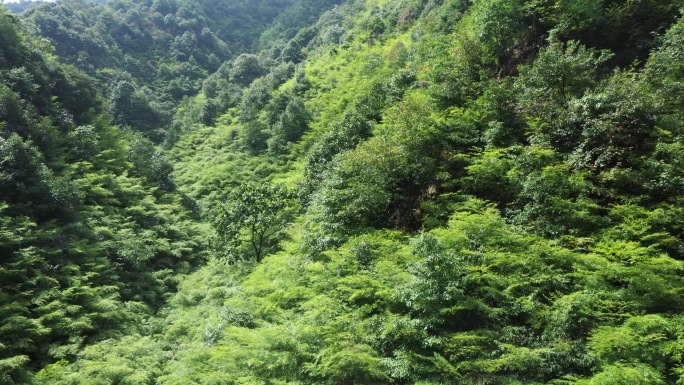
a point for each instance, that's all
(342, 192)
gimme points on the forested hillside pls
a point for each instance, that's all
(343, 192)
(92, 229)
(148, 55)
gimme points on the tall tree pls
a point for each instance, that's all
(253, 215)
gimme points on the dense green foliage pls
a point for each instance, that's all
(149, 55)
(91, 235)
(402, 192)
(252, 218)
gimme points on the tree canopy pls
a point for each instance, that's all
(342, 192)
(253, 215)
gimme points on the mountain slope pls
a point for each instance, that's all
(482, 192)
(488, 194)
(92, 231)
(149, 55)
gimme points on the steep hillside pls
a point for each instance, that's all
(149, 55)
(92, 231)
(487, 193)
(424, 192)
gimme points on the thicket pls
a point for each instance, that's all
(420, 192)
(92, 230)
(149, 55)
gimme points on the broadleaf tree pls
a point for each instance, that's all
(252, 218)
